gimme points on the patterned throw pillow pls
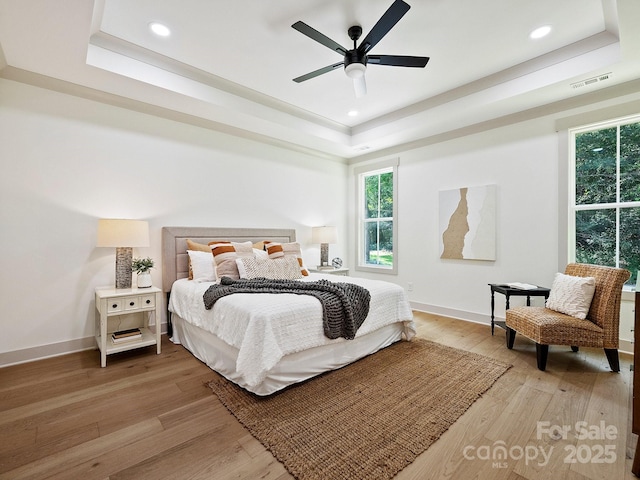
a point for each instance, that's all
(279, 250)
(571, 295)
(283, 268)
(225, 255)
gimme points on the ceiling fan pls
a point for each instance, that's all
(356, 60)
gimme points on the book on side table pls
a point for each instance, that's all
(522, 286)
(126, 335)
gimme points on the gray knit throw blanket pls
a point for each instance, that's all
(344, 305)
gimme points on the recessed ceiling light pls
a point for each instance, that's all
(352, 113)
(540, 32)
(160, 29)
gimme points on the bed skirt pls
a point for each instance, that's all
(293, 368)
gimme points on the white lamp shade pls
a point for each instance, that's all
(324, 235)
(115, 232)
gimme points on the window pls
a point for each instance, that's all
(605, 204)
(377, 189)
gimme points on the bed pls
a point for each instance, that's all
(266, 342)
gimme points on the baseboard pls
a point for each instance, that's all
(453, 313)
(46, 351)
(51, 350)
(626, 346)
(88, 343)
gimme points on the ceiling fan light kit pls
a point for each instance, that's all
(355, 60)
(355, 70)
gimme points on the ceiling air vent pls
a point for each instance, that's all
(591, 80)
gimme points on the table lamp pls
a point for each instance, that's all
(124, 235)
(324, 236)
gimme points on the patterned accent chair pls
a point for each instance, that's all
(600, 328)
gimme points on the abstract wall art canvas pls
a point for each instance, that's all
(468, 223)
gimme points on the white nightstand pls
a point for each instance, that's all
(119, 309)
(344, 271)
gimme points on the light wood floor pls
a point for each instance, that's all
(150, 416)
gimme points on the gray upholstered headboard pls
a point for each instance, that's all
(175, 263)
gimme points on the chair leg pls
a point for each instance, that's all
(511, 336)
(574, 348)
(614, 360)
(541, 353)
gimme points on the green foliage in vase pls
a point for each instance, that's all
(142, 265)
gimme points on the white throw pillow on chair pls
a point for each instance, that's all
(571, 295)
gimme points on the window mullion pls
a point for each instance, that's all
(617, 256)
(378, 217)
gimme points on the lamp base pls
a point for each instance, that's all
(124, 256)
(324, 255)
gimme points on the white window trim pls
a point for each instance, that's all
(563, 126)
(573, 208)
(359, 173)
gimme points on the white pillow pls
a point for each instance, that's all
(202, 266)
(571, 295)
(260, 253)
(285, 268)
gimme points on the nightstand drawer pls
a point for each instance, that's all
(139, 302)
(115, 305)
(131, 303)
(147, 301)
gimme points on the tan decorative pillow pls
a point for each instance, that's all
(571, 295)
(284, 268)
(279, 250)
(274, 250)
(225, 255)
(196, 247)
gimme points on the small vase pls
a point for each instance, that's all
(143, 280)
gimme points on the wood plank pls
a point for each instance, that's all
(164, 453)
(607, 409)
(92, 392)
(148, 416)
(61, 462)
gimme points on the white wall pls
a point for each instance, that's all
(527, 162)
(68, 161)
(521, 162)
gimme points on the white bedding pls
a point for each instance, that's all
(266, 327)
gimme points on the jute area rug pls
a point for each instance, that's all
(369, 419)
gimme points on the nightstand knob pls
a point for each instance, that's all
(115, 305)
(132, 303)
(148, 301)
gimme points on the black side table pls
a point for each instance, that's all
(508, 291)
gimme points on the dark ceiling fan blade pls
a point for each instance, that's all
(398, 60)
(319, 37)
(395, 12)
(318, 72)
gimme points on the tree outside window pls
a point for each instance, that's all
(607, 196)
(377, 229)
(378, 219)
